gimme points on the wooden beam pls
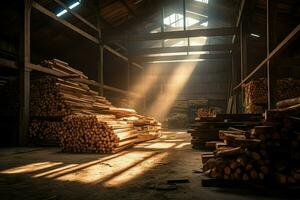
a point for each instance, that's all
(76, 15)
(213, 47)
(128, 7)
(79, 31)
(100, 68)
(271, 43)
(24, 58)
(182, 57)
(239, 17)
(174, 34)
(292, 35)
(67, 24)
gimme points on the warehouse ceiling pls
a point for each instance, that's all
(123, 17)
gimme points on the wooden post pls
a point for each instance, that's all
(128, 78)
(243, 46)
(24, 58)
(271, 43)
(184, 23)
(162, 25)
(100, 60)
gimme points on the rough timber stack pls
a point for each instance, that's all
(256, 98)
(268, 153)
(205, 131)
(70, 112)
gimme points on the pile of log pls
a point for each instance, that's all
(67, 112)
(256, 96)
(44, 133)
(206, 130)
(287, 89)
(86, 133)
(256, 93)
(147, 127)
(56, 97)
(270, 152)
(206, 112)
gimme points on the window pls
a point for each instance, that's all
(175, 20)
(202, 1)
(70, 7)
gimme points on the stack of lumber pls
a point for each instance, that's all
(207, 129)
(256, 93)
(44, 132)
(206, 112)
(269, 153)
(87, 133)
(147, 127)
(256, 96)
(287, 89)
(68, 113)
(57, 97)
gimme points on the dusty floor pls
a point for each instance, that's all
(48, 174)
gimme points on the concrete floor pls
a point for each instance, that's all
(48, 174)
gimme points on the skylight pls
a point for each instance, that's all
(202, 1)
(175, 20)
(70, 7)
(204, 24)
(255, 35)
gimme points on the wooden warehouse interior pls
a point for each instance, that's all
(148, 99)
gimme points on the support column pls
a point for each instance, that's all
(101, 49)
(271, 43)
(243, 46)
(162, 25)
(24, 58)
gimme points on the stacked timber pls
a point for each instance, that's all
(256, 93)
(147, 128)
(287, 89)
(206, 112)
(45, 132)
(206, 130)
(67, 112)
(256, 96)
(268, 153)
(86, 133)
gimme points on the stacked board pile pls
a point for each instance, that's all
(147, 127)
(287, 89)
(206, 112)
(207, 129)
(68, 112)
(256, 96)
(268, 154)
(256, 93)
